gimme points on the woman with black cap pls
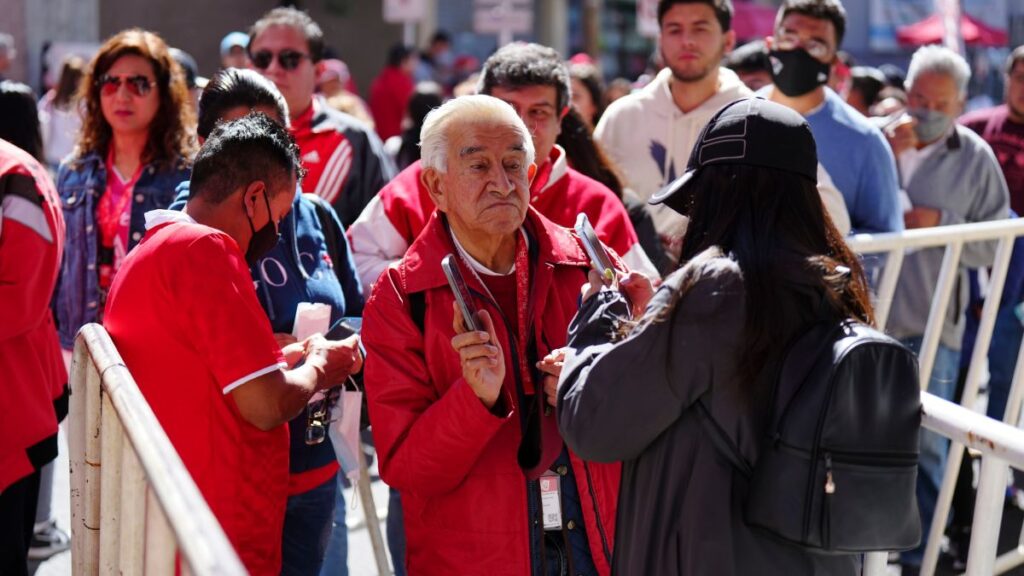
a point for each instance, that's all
(761, 262)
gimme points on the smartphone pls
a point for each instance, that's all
(462, 295)
(344, 327)
(599, 257)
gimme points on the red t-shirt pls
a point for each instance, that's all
(184, 315)
(114, 217)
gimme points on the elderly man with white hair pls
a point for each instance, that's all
(462, 419)
(951, 176)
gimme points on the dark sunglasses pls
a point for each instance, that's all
(288, 59)
(137, 85)
(317, 416)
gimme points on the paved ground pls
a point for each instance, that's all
(360, 560)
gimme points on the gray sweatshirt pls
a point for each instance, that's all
(964, 181)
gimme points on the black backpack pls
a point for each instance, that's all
(838, 466)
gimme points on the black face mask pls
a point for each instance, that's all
(264, 239)
(795, 72)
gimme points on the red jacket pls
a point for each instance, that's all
(396, 216)
(464, 495)
(32, 373)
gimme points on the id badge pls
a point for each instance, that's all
(551, 500)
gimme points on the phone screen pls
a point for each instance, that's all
(599, 258)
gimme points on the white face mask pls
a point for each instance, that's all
(344, 432)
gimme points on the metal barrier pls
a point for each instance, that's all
(1001, 443)
(134, 506)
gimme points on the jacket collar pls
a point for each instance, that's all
(420, 269)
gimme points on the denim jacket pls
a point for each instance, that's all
(81, 182)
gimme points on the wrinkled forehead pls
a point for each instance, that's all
(486, 137)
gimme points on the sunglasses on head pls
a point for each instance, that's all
(288, 59)
(138, 85)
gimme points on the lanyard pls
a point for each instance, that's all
(522, 272)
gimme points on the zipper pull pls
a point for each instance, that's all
(830, 486)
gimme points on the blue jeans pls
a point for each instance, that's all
(396, 532)
(336, 557)
(934, 447)
(1002, 359)
(307, 524)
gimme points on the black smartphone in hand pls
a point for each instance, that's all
(599, 257)
(461, 292)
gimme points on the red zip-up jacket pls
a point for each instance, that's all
(32, 373)
(464, 498)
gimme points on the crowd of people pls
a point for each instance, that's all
(207, 222)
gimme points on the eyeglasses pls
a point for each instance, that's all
(137, 85)
(317, 414)
(288, 59)
(790, 41)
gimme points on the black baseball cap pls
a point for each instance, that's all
(753, 132)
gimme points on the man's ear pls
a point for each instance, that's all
(431, 179)
(769, 42)
(251, 196)
(561, 115)
(730, 41)
(531, 173)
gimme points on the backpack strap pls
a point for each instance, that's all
(417, 308)
(723, 444)
(331, 232)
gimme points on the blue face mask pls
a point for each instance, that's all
(931, 124)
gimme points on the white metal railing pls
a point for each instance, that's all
(134, 506)
(1003, 444)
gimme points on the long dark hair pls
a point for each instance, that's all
(71, 73)
(19, 118)
(584, 154)
(426, 97)
(796, 267)
(170, 133)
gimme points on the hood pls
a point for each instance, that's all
(731, 88)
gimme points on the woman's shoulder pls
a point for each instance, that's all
(709, 270)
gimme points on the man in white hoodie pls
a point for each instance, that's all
(649, 133)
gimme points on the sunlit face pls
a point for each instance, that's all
(296, 85)
(126, 111)
(538, 107)
(582, 101)
(939, 92)
(486, 188)
(235, 58)
(692, 41)
(815, 35)
(279, 200)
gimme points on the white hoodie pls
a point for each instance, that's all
(649, 138)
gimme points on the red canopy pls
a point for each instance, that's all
(752, 21)
(930, 31)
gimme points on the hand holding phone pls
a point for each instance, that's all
(599, 258)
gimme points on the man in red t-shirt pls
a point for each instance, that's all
(184, 315)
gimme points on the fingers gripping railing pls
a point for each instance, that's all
(134, 506)
(953, 239)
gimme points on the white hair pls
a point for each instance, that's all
(937, 59)
(470, 109)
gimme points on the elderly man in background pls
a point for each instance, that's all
(462, 418)
(951, 176)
